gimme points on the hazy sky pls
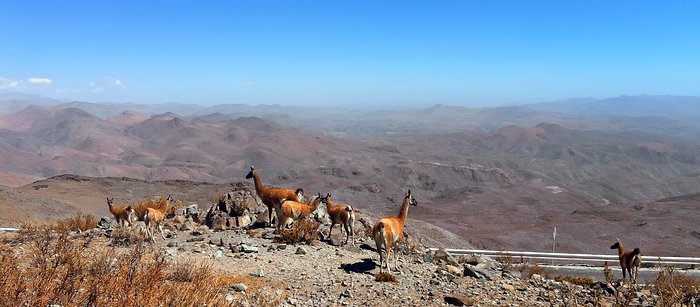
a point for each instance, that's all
(350, 53)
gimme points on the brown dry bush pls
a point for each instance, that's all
(219, 198)
(368, 233)
(191, 272)
(56, 269)
(506, 260)
(676, 289)
(302, 231)
(527, 270)
(81, 222)
(126, 236)
(161, 204)
(581, 281)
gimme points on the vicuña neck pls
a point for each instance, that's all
(259, 187)
(620, 249)
(404, 209)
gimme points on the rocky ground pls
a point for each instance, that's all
(322, 274)
(328, 273)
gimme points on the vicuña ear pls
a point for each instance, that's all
(409, 192)
(252, 168)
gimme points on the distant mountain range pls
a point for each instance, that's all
(506, 167)
(674, 107)
(676, 116)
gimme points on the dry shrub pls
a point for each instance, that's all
(506, 260)
(28, 232)
(607, 273)
(238, 207)
(368, 232)
(219, 198)
(581, 281)
(161, 204)
(79, 222)
(265, 296)
(676, 289)
(384, 277)
(304, 230)
(31, 231)
(126, 236)
(191, 272)
(527, 271)
(72, 272)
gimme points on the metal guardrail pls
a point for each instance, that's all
(9, 229)
(571, 257)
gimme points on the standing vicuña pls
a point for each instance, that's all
(154, 218)
(272, 197)
(388, 232)
(630, 260)
(341, 214)
(294, 210)
(123, 215)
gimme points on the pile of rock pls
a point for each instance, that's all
(235, 210)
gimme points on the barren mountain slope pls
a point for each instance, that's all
(504, 188)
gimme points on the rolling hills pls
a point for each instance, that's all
(500, 177)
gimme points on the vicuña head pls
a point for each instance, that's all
(251, 173)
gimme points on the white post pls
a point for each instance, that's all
(554, 240)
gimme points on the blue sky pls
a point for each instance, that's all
(348, 53)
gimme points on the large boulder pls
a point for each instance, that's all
(233, 210)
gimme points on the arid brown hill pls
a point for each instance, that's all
(501, 188)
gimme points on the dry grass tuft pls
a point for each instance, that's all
(191, 272)
(302, 231)
(56, 269)
(676, 289)
(219, 198)
(126, 236)
(79, 222)
(581, 281)
(160, 204)
(506, 261)
(384, 277)
(527, 270)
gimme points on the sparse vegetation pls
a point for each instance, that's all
(303, 231)
(506, 261)
(79, 222)
(581, 281)
(676, 289)
(528, 270)
(122, 236)
(64, 269)
(161, 204)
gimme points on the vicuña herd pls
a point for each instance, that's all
(289, 206)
